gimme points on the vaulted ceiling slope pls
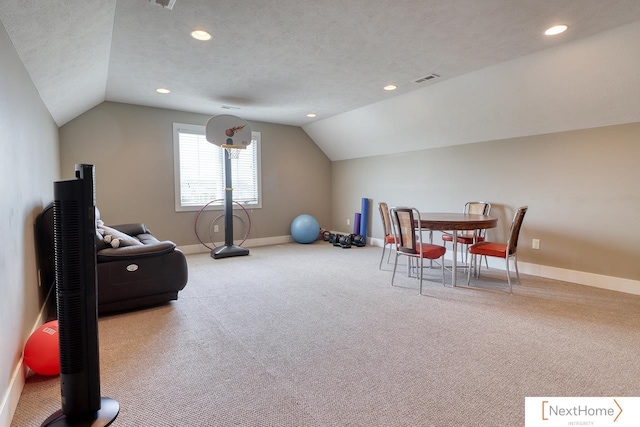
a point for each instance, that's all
(587, 83)
(65, 46)
(277, 60)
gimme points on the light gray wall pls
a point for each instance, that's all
(132, 148)
(29, 164)
(581, 188)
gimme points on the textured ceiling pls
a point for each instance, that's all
(277, 60)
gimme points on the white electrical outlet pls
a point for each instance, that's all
(348, 221)
(215, 228)
(535, 244)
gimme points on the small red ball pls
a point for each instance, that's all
(42, 351)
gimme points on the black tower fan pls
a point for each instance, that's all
(74, 226)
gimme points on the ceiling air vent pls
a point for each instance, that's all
(229, 107)
(168, 4)
(424, 79)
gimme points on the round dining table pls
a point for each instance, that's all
(454, 222)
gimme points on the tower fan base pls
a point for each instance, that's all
(229, 251)
(109, 409)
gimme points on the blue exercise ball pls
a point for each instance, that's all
(305, 229)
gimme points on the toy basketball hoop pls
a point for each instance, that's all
(234, 135)
(229, 132)
(233, 151)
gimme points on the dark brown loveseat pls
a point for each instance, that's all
(129, 277)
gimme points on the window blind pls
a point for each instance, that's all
(201, 171)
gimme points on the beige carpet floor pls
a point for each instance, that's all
(312, 335)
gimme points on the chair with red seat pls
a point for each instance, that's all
(502, 250)
(469, 237)
(409, 241)
(389, 239)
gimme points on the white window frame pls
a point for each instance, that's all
(200, 130)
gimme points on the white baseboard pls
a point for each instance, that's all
(250, 243)
(611, 283)
(11, 396)
(619, 284)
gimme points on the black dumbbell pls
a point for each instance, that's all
(358, 240)
(345, 241)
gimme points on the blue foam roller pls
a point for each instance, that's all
(364, 217)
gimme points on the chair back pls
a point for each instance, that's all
(405, 229)
(477, 208)
(386, 221)
(516, 225)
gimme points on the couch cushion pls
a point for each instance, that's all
(121, 253)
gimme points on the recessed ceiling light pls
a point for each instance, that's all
(311, 115)
(557, 29)
(390, 87)
(163, 90)
(200, 35)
